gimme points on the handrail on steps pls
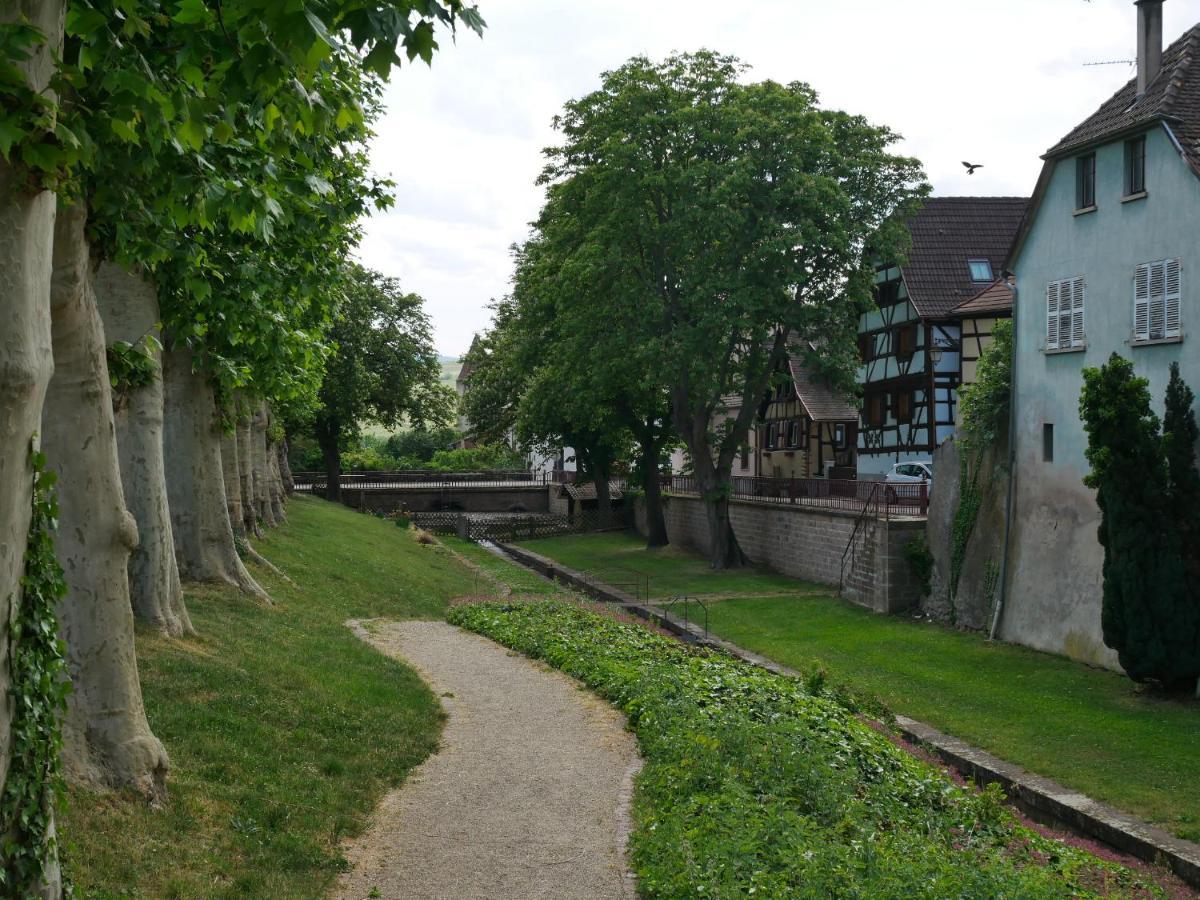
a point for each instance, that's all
(858, 521)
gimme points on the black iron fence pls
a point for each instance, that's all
(315, 482)
(873, 497)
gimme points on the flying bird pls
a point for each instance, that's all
(971, 167)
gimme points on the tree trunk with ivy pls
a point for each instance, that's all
(107, 739)
(204, 544)
(26, 243)
(129, 310)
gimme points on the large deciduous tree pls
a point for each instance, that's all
(726, 220)
(383, 368)
(1143, 479)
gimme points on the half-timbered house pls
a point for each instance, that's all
(805, 429)
(910, 342)
(978, 317)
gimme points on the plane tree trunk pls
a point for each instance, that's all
(106, 737)
(258, 459)
(246, 475)
(204, 544)
(26, 244)
(285, 468)
(328, 432)
(129, 311)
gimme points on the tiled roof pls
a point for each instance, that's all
(820, 401)
(1173, 95)
(995, 299)
(946, 233)
(588, 491)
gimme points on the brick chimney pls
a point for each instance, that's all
(1149, 42)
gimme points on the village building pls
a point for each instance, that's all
(804, 429)
(1101, 266)
(978, 317)
(911, 341)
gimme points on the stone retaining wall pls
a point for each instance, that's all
(809, 543)
(534, 499)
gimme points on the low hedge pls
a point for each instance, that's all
(755, 785)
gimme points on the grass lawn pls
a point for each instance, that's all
(503, 569)
(1092, 730)
(284, 730)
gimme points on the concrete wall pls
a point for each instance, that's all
(1055, 597)
(808, 543)
(467, 499)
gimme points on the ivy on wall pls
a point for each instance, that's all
(38, 686)
(131, 366)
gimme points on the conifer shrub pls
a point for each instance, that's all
(1147, 490)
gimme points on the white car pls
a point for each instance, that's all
(910, 472)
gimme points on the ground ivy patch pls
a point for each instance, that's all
(758, 784)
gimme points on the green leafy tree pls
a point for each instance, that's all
(414, 446)
(384, 368)
(984, 404)
(1150, 614)
(723, 221)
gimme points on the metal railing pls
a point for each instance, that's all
(874, 497)
(417, 479)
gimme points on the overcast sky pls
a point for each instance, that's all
(990, 81)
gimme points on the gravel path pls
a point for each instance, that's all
(528, 796)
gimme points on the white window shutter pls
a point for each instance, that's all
(1174, 294)
(1077, 291)
(1052, 316)
(1158, 298)
(1141, 304)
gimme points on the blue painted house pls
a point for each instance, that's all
(1106, 260)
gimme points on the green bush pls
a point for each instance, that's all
(920, 559)
(755, 785)
(1146, 489)
(488, 457)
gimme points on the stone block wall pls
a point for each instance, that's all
(808, 543)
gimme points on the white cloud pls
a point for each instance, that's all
(990, 81)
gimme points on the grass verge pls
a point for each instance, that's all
(284, 730)
(754, 785)
(1092, 730)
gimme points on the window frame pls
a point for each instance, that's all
(876, 403)
(989, 278)
(1085, 182)
(902, 404)
(1135, 167)
(1074, 291)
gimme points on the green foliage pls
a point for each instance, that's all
(419, 444)
(385, 367)
(132, 366)
(1150, 613)
(754, 785)
(920, 559)
(984, 405)
(484, 458)
(696, 225)
(39, 684)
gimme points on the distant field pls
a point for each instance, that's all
(450, 369)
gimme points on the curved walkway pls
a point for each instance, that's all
(527, 797)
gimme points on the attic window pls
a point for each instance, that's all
(981, 269)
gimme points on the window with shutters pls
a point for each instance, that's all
(902, 403)
(1157, 296)
(876, 408)
(906, 341)
(1064, 314)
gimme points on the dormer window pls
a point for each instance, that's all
(1085, 182)
(981, 270)
(1135, 167)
